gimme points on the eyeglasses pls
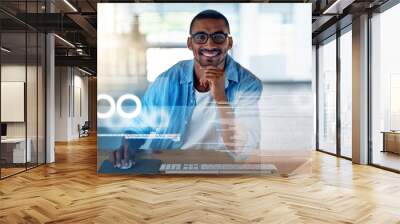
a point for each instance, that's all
(202, 37)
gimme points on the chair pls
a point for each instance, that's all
(84, 130)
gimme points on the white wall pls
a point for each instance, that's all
(62, 81)
(80, 109)
(16, 73)
(71, 102)
(33, 126)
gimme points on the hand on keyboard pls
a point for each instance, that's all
(121, 157)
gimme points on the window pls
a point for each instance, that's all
(327, 97)
(161, 59)
(346, 94)
(385, 81)
(22, 75)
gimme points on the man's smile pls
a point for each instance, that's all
(210, 52)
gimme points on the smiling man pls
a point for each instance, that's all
(210, 102)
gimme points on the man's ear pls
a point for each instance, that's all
(189, 43)
(230, 43)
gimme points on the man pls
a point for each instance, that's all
(210, 102)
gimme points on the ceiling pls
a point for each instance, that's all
(76, 22)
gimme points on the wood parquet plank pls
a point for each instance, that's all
(70, 191)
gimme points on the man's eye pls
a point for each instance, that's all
(219, 38)
(201, 37)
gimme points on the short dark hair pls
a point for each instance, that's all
(209, 14)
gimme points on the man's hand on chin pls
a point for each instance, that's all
(216, 80)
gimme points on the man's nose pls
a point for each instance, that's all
(210, 43)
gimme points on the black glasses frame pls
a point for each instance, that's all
(212, 35)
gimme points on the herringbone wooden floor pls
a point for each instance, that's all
(70, 191)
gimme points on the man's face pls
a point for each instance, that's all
(209, 53)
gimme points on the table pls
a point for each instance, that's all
(288, 163)
(13, 150)
(391, 141)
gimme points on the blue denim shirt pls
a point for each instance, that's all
(168, 103)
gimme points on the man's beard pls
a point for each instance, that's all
(206, 58)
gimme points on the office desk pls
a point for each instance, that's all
(391, 141)
(13, 150)
(287, 163)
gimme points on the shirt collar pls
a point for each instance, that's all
(230, 71)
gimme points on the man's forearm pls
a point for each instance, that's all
(231, 135)
(229, 129)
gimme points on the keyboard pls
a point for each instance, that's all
(189, 168)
